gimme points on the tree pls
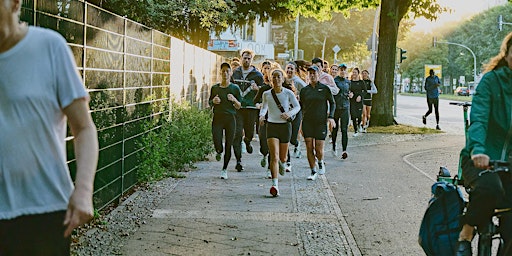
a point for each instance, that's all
(392, 13)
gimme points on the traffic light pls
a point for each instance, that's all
(402, 55)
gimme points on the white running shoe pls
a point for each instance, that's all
(274, 191)
(224, 174)
(356, 134)
(281, 168)
(321, 167)
(243, 147)
(288, 167)
(334, 153)
(269, 174)
(359, 128)
(313, 176)
(263, 161)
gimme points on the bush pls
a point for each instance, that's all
(174, 144)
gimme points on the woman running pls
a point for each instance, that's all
(280, 104)
(371, 89)
(315, 100)
(358, 90)
(225, 99)
(298, 84)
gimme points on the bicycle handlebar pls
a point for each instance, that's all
(496, 166)
(463, 104)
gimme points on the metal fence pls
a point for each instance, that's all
(132, 73)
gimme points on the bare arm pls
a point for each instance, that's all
(80, 207)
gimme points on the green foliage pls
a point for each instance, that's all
(174, 144)
(480, 33)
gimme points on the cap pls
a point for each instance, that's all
(225, 64)
(342, 65)
(313, 67)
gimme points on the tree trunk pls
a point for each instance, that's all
(392, 11)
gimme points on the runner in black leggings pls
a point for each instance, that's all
(341, 114)
(225, 99)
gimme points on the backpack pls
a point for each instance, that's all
(441, 225)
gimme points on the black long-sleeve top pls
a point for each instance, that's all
(317, 103)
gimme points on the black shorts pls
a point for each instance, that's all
(40, 234)
(280, 131)
(314, 129)
(367, 102)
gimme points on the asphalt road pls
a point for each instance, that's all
(383, 189)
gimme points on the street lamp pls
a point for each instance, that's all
(461, 45)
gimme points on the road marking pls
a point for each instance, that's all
(414, 166)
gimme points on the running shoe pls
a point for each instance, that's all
(218, 156)
(281, 168)
(224, 174)
(288, 167)
(248, 147)
(424, 119)
(321, 167)
(239, 167)
(359, 128)
(438, 128)
(269, 174)
(274, 191)
(344, 155)
(334, 153)
(263, 161)
(356, 134)
(313, 176)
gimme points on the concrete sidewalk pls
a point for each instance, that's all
(205, 215)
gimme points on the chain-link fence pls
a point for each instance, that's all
(131, 72)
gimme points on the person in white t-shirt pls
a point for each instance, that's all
(279, 126)
(41, 91)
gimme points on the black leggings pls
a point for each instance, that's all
(262, 134)
(356, 112)
(341, 118)
(245, 122)
(223, 123)
(433, 102)
(488, 192)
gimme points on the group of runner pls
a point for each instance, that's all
(302, 99)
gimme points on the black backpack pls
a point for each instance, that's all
(441, 225)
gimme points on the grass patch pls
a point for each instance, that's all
(442, 96)
(402, 129)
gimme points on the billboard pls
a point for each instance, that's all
(438, 70)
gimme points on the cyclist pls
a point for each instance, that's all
(489, 137)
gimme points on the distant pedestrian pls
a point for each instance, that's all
(358, 92)
(225, 99)
(318, 108)
(249, 79)
(341, 114)
(432, 84)
(40, 93)
(371, 89)
(280, 104)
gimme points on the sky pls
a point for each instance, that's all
(461, 9)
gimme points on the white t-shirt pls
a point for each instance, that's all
(286, 98)
(38, 79)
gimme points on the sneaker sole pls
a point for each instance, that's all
(274, 192)
(344, 156)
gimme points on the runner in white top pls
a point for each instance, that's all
(278, 124)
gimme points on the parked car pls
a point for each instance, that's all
(462, 91)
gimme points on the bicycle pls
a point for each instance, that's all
(491, 231)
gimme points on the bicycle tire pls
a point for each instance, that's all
(484, 245)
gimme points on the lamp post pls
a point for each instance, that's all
(461, 45)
